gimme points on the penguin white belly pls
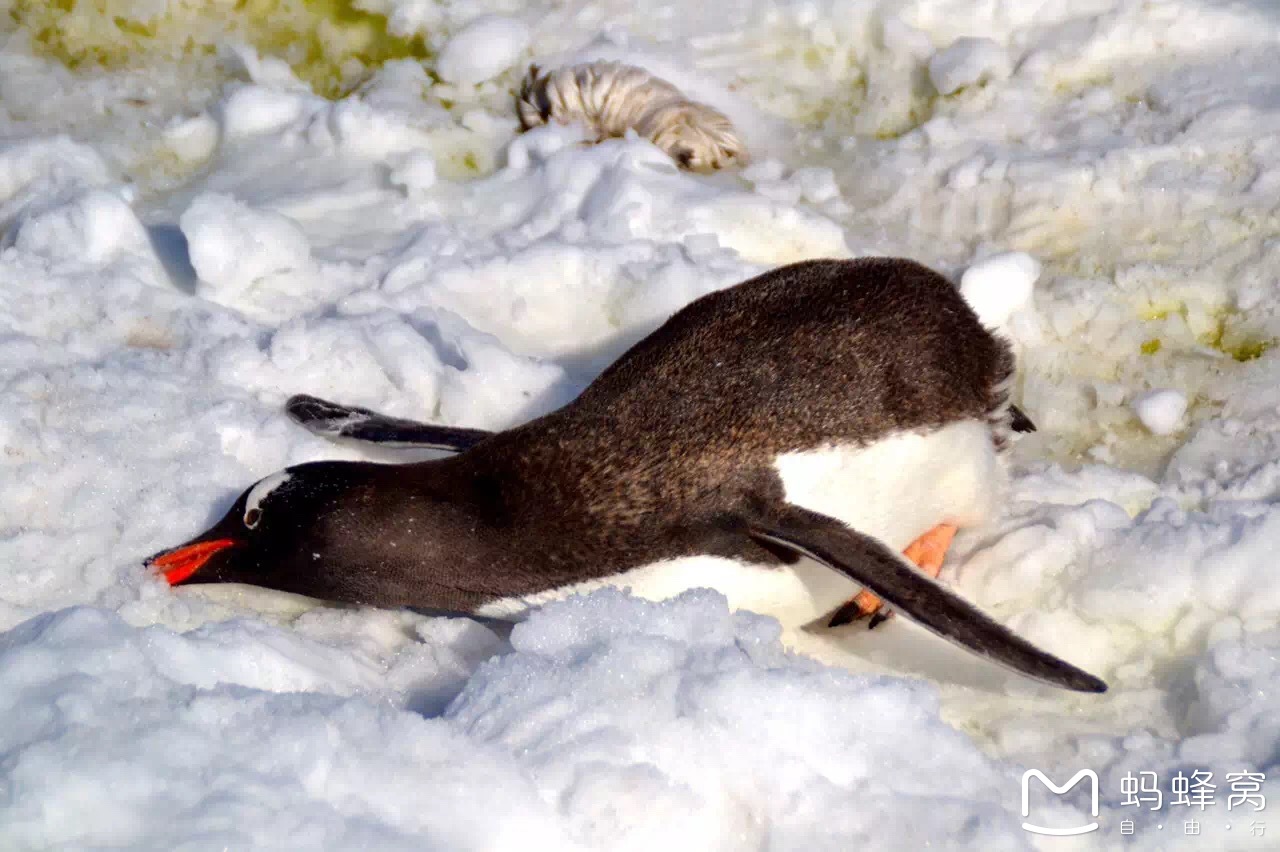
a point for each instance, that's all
(785, 592)
(901, 486)
(895, 489)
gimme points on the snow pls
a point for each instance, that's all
(416, 174)
(968, 62)
(94, 227)
(234, 247)
(650, 731)
(191, 234)
(996, 287)
(482, 50)
(1161, 410)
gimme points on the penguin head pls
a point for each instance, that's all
(342, 531)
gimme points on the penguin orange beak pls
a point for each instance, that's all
(180, 563)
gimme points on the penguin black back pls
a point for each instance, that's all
(810, 352)
(818, 352)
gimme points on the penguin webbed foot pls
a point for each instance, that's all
(863, 605)
(927, 552)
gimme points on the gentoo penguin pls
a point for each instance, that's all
(781, 441)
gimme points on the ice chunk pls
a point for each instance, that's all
(1160, 410)
(998, 286)
(254, 110)
(192, 139)
(483, 49)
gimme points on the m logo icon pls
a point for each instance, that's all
(1075, 779)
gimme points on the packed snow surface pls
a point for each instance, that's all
(967, 62)
(192, 232)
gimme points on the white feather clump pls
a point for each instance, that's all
(611, 98)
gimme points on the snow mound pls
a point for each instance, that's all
(93, 228)
(612, 723)
(46, 168)
(234, 247)
(289, 749)
(483, 49)
(682, 723)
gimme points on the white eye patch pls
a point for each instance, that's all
(259, 492)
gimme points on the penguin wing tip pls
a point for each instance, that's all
(1092, 684)
(1061, 674)
(301, 404)
(314, 413)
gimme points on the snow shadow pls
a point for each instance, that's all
(170, 246)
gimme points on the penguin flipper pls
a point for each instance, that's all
(332, 420)
(869, 563)
(1020, 421)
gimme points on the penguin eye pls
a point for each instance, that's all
(259, 492)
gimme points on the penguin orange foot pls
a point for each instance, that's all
(928, 552)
